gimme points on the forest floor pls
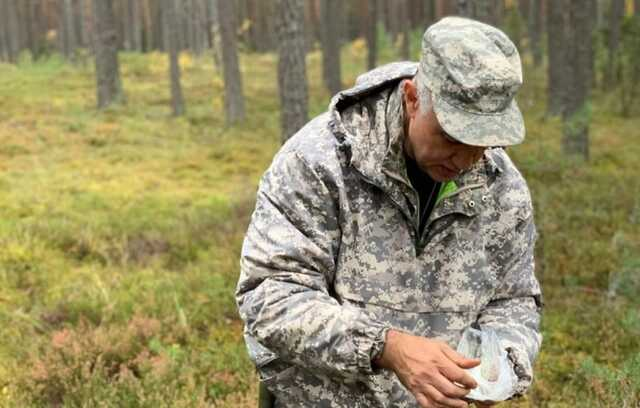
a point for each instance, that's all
(120, 234)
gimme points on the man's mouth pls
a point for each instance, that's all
(448, 173)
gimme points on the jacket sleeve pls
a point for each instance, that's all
(287, 268)
(514, 311)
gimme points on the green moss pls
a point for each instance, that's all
(130, 212)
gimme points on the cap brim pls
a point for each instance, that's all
(500, 129)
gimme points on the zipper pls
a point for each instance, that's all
(415, 222)
(440, 202)
(395, 203)
(417, 238)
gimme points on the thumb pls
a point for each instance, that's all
(459, 359)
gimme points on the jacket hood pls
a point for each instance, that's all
(367, 84)
(367, 121)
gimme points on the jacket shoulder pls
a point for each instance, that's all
(315, 145)
(509, 188)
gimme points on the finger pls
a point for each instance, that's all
(441, 399)
(455, 374)
(448, 388)
(423, 401)
(459, 359)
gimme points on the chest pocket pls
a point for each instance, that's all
(379, 264)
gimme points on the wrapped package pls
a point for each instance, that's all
(495, 376)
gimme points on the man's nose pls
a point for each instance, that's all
(479, 152)
(469, 156)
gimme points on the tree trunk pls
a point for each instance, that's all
(27, 24)
(465, 8)
(261, 28)
(233, 98)
(372, 34)
(636, 8)
(482, 11)
(331, 45)
(157, 26)
(14, 28)
(200, 21)
(67, 30)
(128, 16)
(147, 29)
(9, 23)
(523, 7)
(313, 27)
(109, 86)
(208, 23)
(214, 29)
(576, 114)
(132, 30)
(391, 19)
(616, 14)
(447, 7)
(476, 9)
(4, 35)
(430, 14)
(534, 24)
(497, 12)
(405, 48)
(187, 23)
(79, 23)
(292, 77)
(36, 28)
(169, 13)
(556, 25)
(127, 26)
(23, 18)
(594, 12)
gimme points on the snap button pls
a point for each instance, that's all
(472, 204)
(484, 198)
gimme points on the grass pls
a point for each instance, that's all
(121, 230)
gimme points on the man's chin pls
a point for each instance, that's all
(441, 174)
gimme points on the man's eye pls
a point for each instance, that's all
(449, 138)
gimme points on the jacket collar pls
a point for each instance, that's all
(368, 122)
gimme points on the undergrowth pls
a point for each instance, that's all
(121, 231)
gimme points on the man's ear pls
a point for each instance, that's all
(410, 95)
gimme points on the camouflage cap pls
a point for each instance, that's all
(473, 72)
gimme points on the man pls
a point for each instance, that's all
(387, 226)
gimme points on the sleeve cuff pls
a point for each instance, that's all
(369, 343)
(522, 369)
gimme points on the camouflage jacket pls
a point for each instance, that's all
(332, 260)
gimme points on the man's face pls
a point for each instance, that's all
(436, 153)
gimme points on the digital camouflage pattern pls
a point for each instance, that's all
(473, 71)
(332, 259)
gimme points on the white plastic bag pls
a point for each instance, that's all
(495, 376)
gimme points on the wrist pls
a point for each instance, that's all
(384, 358)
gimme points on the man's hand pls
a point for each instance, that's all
(430, 369)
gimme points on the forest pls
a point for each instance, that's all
(134, 133)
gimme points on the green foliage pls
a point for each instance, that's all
(612, 387)
(622, 91)
(121, 231)
(628, 69)
(514, 25)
